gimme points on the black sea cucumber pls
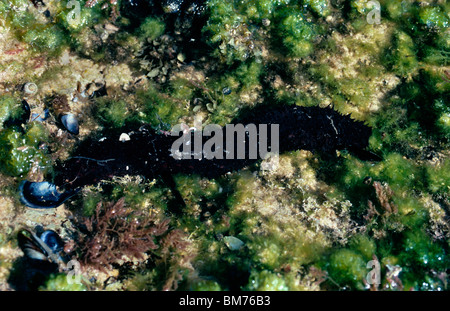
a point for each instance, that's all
(148, 153)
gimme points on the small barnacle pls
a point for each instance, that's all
(30, 89)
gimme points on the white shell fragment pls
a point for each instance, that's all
(233, 243)
(124, 137)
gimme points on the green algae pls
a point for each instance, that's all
(433, 17)
(50, 35)
(113, 113)
(348, 267)
(20, 152)
(151, 29)
(438, 179)
(266, 281)
(320, 7)
(45, 38)
(401, 57)
(230, 27)
(205, 285)
(73, 20)
(10, 109)
(296, 32)
(59, 282)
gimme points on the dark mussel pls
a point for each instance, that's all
(43, 194)
(40, 259)
(47, 247)
(61, 109)
(70, 122)
(53, 241)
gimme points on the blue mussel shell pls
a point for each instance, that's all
(70, 122)
(43, 194)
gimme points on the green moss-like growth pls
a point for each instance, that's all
(401, 56)
(19, 152)
(296, 33)
(245, 87)
(15, 156)
(90, 202)
(421, 253)
(396, 9)
(320, 7)
(151, 28)
(49, 38)
(231, 27)
(159, 109)
(112, 113)
(228, 30)
(51, 35)
(364, 245)
(437, 53)
(439, 179)
(443, 117)
(10, 109)
(205, 285)
(361, 6)
(434, 17)
(393, 130)
(348, 268)
(266, 281)
(399, 172)
(58, 282)
(36, 133)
